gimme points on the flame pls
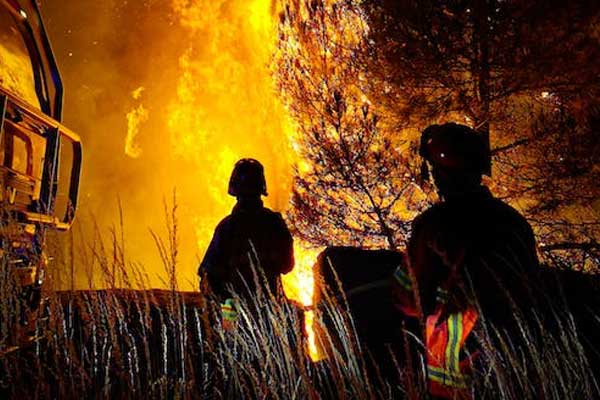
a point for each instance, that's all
(135, 118)
(299, 286)
(310, 325)
(226, 108)
(196, 111)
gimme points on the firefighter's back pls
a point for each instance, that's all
(490, 243)
(259, 246)
(251, 244)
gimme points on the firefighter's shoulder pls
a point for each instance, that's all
(509, 217)
(273, 215)
(507, 210)
(224, 224)
(432, 215)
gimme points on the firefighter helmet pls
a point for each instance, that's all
(454, 148)
(247, 178)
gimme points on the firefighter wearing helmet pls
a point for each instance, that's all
(470, 258)
(248, 245)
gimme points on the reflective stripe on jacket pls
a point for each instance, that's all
(448, 376)
(229, 314)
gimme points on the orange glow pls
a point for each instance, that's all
(135, 118)
(227, 108)
(309, 324)
(219, 106)
(299, 286)
(16, 72)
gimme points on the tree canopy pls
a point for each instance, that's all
(362, 78)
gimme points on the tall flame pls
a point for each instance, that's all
(226, 107)
(299, 286)
(208, 99)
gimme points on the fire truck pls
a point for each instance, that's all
(40, 159)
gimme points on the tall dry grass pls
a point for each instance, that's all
(121, 342)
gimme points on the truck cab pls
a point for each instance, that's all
(40, 159)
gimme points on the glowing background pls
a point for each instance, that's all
(168, 96)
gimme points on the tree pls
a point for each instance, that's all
(522, 71)
(353, 185)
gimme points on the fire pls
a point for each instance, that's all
(216, 105)
(226, 108)
(309, 324)
(135, 118)
(299, 286)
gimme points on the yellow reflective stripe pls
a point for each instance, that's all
(446, 377)
(229, 317)
(451, 374)
(402, 278)
(455, 330)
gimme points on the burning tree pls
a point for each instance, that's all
(521, 72)
(353, 184)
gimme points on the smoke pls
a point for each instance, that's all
(208, 100)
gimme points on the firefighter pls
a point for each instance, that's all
(470, 257)
(249, 246)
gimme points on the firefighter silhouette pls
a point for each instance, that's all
(249, 246)
(470, 256)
